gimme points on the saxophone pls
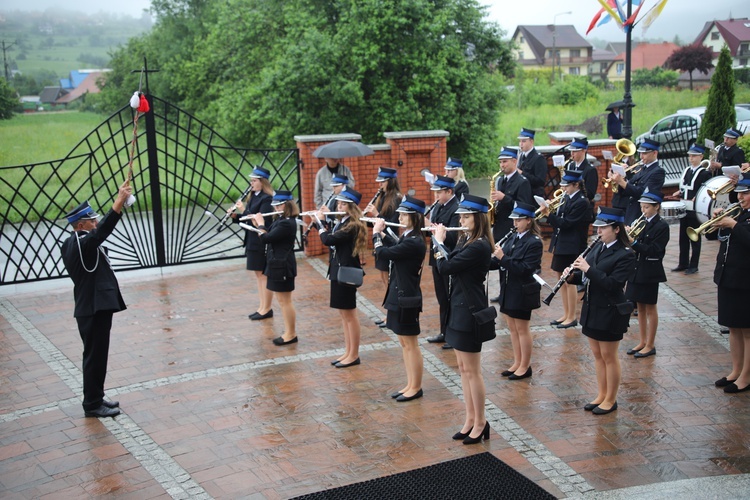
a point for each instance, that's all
(493, 207)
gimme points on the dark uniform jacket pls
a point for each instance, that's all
(651, 177)
(650, 247)
(469, 264)
(571, 226)
(733, 264)
(534, 168)
(342, 242)
(729, 157)
(406, 256)
(610, 270)
(98, 290)
(522, 258)
(259, 203)
(447, 216)
(590, 178)
(462, 188)
(279, 241)
(516, 188)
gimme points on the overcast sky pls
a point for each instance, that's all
(680, 17)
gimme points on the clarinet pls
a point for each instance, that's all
(375, 198)
(505, 238)
(565, 275)
(309, 228)
(234, 209)
(427, 212)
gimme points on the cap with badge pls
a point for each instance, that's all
(578, 144)
(653, 198)
(453, 164)
(570, 176)
(743, 185)
(386, 173)
(339, 179)
(471, 204)
(260, 173)
(609, 216)
(81, 212)
(523, 211)
(696, 150)
(733, 133)
(648, 145)
(411, 205)
(281, 197)
(526, 134)
(441, 182)
(349, 195)
(508, 154)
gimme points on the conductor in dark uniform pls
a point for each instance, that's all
(650, 176)
(97, 295)
(531, 164)
(444, 212)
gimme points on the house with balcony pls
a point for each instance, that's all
(643, 56)
(536, 46)
(735, 33)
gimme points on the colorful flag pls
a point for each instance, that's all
(652, 14)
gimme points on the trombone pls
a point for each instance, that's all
(637, 227)
(733, 211)
(726, 187)
(553, 204)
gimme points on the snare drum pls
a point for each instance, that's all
(673, 211)
(704, 204)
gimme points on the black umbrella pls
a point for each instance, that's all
(342, 149)
(618, 105)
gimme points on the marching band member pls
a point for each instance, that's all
(468, 265)
(606, 311)
(518, 260)
(571, 224)
(281, 265)
(258, 201)
(403, 299)
(650, 177)
(531, 164)
(649, 246)
(454, 168)
(729, 154)
(348, 242)
(692, 179)
(590, 177)
(731, 276)
(385, 208)
(444, 212)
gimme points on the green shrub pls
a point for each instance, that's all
(574, 90)
(656, 77)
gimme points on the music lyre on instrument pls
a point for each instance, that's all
(727, 186)
(565, 275)
(556, 202)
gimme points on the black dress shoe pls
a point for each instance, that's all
(635, 313)
(507, 373)
(396, 394)
(724, 330)
(645, 354)
(678, 269)
(102, 411)
(437, 339)
(590, 406)
(416, 395)
(600, 411)
(259, 316)
(281, 341)
(691, 270)
(723, 382)
(568, 325)
(254, 315)
(485, 434)
(110, 404)
(633, 351)
(555, 323)
(447, 346)
(495, 299)
(347, 365)
(461, 435)
(379, 321)
(732, 388)
(513, 376)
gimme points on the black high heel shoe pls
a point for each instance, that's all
(485, 434)
(461, 435)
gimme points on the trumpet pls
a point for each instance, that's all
(733, 211)
(565, 275)
(373, 220)
(634, 169)
(433, 228)
(726, 187)
(637, 227)
(267, 214)
(555, 203)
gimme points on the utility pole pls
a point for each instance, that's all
(6, 48)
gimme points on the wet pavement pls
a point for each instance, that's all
(212, 409)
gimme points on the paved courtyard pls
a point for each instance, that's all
(212, 409)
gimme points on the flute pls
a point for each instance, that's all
(433, 228)
(233, 209)
(267, 214)
(373, 220)
(565, 275)
(250, 228)
(311, 213)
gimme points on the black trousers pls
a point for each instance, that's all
(94, 332)
(686, 244)
(441, 293)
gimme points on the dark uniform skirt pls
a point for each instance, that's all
(602, 335)
(286, 285)
(462, 341)
(642, 293)
(732, 304)
(343, 296)
(562, 262)
(256, 260)
(403, 322)
(516, 313)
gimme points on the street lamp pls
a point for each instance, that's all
(554, 40)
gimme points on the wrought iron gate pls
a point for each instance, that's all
(185, 176)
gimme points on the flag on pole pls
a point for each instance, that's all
(652, 14)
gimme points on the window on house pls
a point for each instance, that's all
(715, 35)
(620, 68)
(575, 53)
(520, 54)
(520, 39)
(574, 70)
(743, 61)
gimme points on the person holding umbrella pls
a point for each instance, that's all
(331, 154)
(614, 120)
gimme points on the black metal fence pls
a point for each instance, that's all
(185, 176)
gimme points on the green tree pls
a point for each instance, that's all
(655, 77)
(720, 114)
(8, 100)
(690, 58)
